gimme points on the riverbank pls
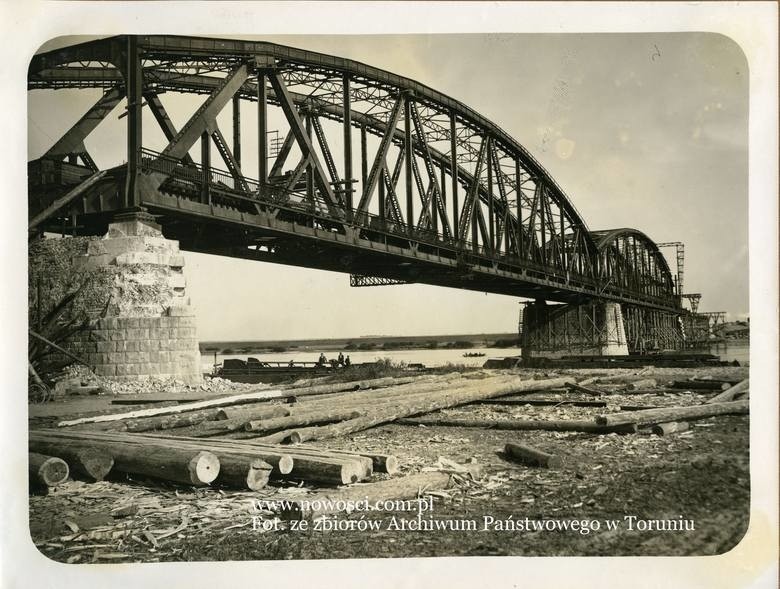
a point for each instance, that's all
(700, 475)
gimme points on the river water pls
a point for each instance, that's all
(432, 358)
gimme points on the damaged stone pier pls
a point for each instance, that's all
(146, 328)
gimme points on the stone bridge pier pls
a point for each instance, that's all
(146, 326)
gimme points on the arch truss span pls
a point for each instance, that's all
(350, 168)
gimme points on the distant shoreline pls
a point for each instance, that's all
(419, 342)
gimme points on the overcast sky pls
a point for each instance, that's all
(641, 130)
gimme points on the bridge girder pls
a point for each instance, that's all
(517, 217)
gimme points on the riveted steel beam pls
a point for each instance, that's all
(73, 140)
(298, 129)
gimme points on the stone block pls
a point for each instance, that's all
(146, 258)
(177, 281)
(137, 227)
(98, 335)
(117, 335)
(104, 346)
(107, 370)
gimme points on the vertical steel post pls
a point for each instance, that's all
(443, 196)
(543, 220)
(491, 215)
(205, 163)
(347, 145)
(519, 202)
(454, 169)
(409, 153)
(563, 239)
(237, 129)
(309, 167)
(134, 82)
(363, 157)
(381, 193)
(262, 133)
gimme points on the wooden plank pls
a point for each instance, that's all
(155, 411)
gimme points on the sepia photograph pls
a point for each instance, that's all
(390, 295)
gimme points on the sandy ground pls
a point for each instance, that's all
(619, 489)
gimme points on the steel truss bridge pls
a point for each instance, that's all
(419, 188)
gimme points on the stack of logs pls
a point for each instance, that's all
(251, 427)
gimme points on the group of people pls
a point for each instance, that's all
(336, 362)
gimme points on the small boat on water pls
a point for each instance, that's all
(473, 354)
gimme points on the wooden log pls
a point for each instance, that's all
(646, 383)
(298, 419)
(379, 462)
(403, 488)
(279, 459)
(243, 472)
(674, 427)
(565, 425)
(331, 471)
(610, 378)
(91, 463)
(313, 464)
(220, 426)
(557, 402)
(365, 401)
(167, 462)
(181, 408)
(664, 414)
(169, 421)
(387, 381)
(730, 393)
(459, 396)
(47, 471)
(581, 389)
(702, 385)
(532, 456)
(419, 386)
(254, 411)
(387, 463)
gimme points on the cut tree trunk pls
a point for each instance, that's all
(587, 391)
(531, 456)
(702, 385)
(278, 458)
(298, 419)
(665, 414)
(91, 463)
(46, 471)
(673, 427)
(565, 425)
(730, 393)
(179, 465)
(244, 472)
(169, 421)
(647, 383)
(459, 396)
